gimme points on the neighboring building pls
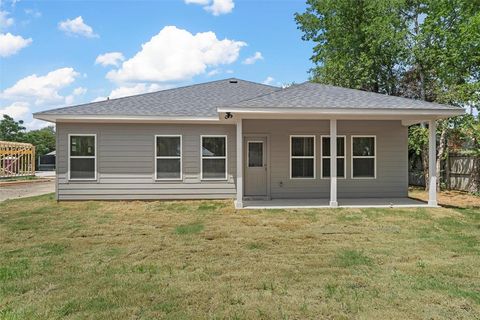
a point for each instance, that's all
(46, 162)
(238, 139)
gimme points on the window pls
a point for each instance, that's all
(214, 157)
(255, 154)
(341, 150)
(302, 157)
(82, 162)
(168, 157)
(364, 157)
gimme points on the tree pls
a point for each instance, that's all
(43, 140)
(422, 49)
(358, 44)
(11, 130)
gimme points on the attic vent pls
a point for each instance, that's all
(233, 81)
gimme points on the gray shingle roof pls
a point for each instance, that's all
(314, 95)
(200, 100)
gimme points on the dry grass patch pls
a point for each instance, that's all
(449, 198)
(204, 259)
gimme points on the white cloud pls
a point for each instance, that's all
(219, 7)
(79, 91)
(130, 90)
(251, 60)
(98, 99)
(175, 54)
(269, 80)
(5, 21)
(10, 44)
(213, 72)
(215, 7)
(75, 93)
(77, 27)
(33, 12)
(110, 58)
(36, 124)
(16, 110)
(42, 89)
(133, 90)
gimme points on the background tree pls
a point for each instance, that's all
(422, 49)
(43, 139)
(11, 130)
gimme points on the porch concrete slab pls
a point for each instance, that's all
(342, 203)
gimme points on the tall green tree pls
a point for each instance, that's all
(43, 140)
(358, 44)
(11, 130)
(422, 49)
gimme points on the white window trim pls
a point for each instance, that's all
(374, 157)
(216, 157)
(344, 157)
(82, 157)
(156, 157)
(304, 157)
(248, 153)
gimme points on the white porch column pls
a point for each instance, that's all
(432, 165)
(239, 202)
(333, 163)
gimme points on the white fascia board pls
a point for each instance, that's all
(345, 111)
(122, 119)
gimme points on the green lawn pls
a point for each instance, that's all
(203, 259)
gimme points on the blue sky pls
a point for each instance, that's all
(57, 53)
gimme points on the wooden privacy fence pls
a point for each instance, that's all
(455, 172)
(16, 159)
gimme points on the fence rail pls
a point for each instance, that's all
(16, 159)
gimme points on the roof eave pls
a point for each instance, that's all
(56, 118)
(346, 111)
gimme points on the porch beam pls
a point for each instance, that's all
(333, 163)
(432, 165)
(239, 201)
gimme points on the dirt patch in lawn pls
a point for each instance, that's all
(449, 198)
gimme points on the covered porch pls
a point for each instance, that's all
(387, 187)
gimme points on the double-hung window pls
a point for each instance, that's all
(214, 157)
(364, 157)
(82, 162)
(341, 163)
(168, 157)
(302, 157)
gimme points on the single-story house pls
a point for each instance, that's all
(258, 144)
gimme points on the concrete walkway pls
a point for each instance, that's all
(342, 203)
(23, 190)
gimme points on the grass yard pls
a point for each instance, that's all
(201, 259)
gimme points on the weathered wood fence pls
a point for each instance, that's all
(456, 172)
(16, 159)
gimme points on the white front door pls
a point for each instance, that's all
(256, 167)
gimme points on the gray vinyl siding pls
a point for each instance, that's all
(125, 163)
(391, 162)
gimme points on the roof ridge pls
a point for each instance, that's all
(154, 92)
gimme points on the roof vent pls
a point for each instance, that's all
(233, 81)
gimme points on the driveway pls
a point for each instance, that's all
(22, 190)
